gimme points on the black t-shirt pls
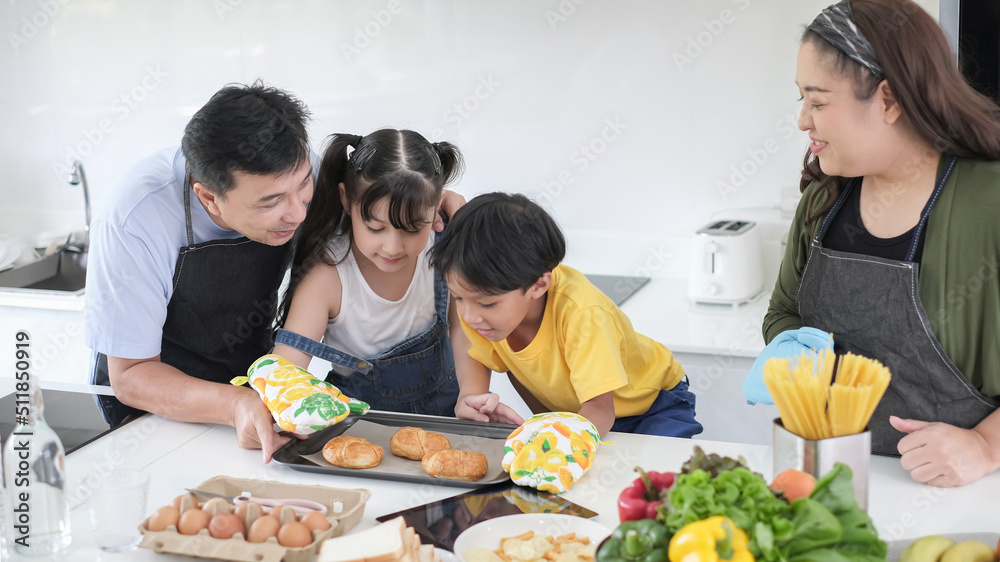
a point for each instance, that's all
(847, 233)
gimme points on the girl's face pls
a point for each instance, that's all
(847, 134)
(389, 249)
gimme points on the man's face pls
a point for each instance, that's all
(266, 209)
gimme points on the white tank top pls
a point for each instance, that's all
(369, 324)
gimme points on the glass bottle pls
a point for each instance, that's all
(4, 516)
(35, 468)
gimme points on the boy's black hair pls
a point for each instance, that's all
(499, 242)
(254, 129)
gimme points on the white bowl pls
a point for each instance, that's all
(487, 534)
(445, 555)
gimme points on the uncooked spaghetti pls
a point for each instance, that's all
(813, 408)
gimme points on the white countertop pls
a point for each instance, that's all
(181, 455)
(662, 311)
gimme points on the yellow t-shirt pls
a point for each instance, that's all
(586, 346)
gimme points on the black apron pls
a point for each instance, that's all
(872, 306)
(221, 313)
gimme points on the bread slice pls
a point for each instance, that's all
(381, 543)
(428, 554)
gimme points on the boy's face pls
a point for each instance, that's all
(495, 316)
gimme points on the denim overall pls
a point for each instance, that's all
(220, 314)
(415, 376)
(873, 308)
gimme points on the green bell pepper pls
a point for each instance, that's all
(636, 541)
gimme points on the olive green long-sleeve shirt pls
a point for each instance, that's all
(959, 278)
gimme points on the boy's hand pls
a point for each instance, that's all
(487, 408)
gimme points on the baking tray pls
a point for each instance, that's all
(378, 426)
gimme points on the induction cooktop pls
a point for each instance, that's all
(77, 417)
(618, 287)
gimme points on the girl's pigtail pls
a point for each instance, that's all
(325, 218)
(451, 161)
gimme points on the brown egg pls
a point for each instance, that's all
(192, 521)
(316, 521)
(163, 518)
(215, 506)
(185, 502)
(263, 528)
(294, 535)
(225, 525)
(284, 513)
(241, 509)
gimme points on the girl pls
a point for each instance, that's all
(361, 281)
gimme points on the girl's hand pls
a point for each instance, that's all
(450, 202)
(487, 408)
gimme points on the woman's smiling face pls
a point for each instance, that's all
(845, 133)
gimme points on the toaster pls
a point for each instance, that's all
(726, 263)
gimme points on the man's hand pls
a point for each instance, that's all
(943, 455)
(487, 408)
(255, 426)
(450, 202)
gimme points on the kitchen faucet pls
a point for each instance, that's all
(78, 177)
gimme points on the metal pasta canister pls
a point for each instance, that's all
(817, 456)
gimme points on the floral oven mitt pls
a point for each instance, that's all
(299, 402)
(551, 451)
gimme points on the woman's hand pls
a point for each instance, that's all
(943, 455)
(488, 408)
(789, 344)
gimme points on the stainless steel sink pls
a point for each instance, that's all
(62, 272)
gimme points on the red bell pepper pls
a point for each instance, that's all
(644, 495)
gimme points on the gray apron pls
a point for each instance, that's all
(220, 314)
(872, 306)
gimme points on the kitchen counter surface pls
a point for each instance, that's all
(662, 311)
(181, 455)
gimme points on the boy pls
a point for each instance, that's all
(565, 345)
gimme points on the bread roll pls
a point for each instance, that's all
(414, 443)
(456, 465)
(349, 451)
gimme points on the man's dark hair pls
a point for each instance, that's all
(254, 129)
(499, 242)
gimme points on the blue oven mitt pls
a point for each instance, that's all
(787, 345)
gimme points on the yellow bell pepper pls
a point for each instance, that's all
(710, 540)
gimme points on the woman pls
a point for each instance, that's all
(895, 244)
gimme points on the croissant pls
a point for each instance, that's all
(348, 451)
(414, 443)
(456, 465)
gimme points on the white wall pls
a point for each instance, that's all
(519, 85)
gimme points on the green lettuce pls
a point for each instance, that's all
(828, 526)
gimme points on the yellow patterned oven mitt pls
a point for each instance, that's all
(551, 451)
(299, 402)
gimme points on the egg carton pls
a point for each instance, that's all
(345, 507)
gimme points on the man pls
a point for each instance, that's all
(187, 257)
